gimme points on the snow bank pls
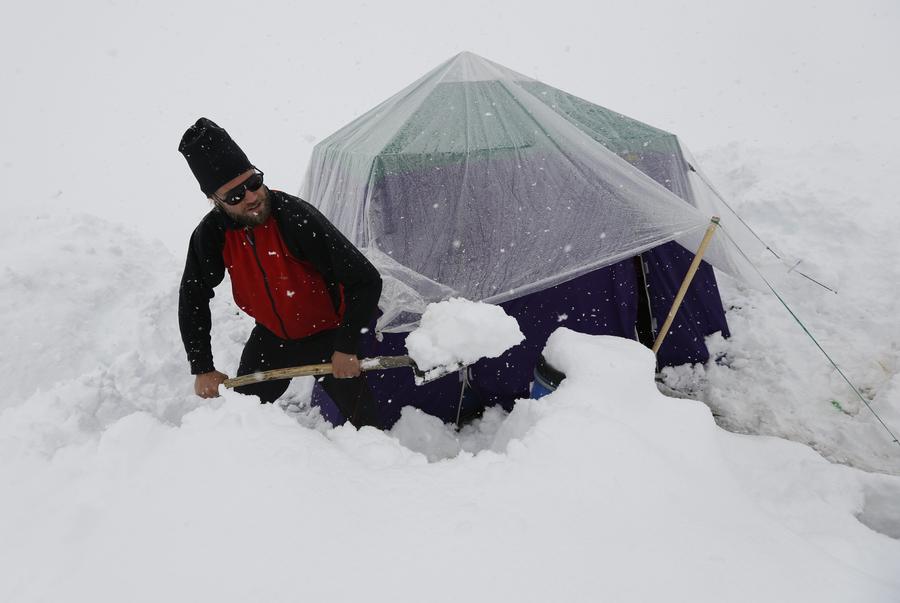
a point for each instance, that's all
(826, 208)
(603, 490)
(459, 331)
(78, 289)
(95, 338)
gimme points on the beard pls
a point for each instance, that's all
(251, 218)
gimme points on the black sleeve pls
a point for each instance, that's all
(334, 256)
(203, 270)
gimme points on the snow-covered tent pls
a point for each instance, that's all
(477, 181)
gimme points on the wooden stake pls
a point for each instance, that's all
(714, 222)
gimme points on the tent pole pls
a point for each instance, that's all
(714, 222)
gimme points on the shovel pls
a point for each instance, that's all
(377, 363)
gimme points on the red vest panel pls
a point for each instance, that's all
(286, 295)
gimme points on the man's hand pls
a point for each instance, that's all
(206, 385)
(344, 366)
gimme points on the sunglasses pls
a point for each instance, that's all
(236, 195)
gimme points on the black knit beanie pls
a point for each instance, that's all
(212, 155)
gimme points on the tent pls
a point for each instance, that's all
(480, 182)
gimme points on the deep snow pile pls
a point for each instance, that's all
(830, 209)
(602, 490)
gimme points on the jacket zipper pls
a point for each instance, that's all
(249, 234)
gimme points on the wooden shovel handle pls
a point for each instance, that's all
(284, 373)
(366, 364)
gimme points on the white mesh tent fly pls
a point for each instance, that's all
(480, 182)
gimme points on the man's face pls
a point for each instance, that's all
(254, 208)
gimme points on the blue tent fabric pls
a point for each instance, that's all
(701, 313)
(602, 302)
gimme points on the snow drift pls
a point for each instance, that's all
(579, 492)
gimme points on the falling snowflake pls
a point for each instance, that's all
(290, 294)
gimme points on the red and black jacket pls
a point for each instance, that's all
(296, 274)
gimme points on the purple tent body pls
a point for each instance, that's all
(603, 302)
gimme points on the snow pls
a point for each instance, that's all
(604, 473)
(119, 484)
(460, 331)
(827, 207)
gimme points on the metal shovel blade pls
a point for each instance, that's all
(421, 377)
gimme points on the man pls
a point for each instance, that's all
(310, 290)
